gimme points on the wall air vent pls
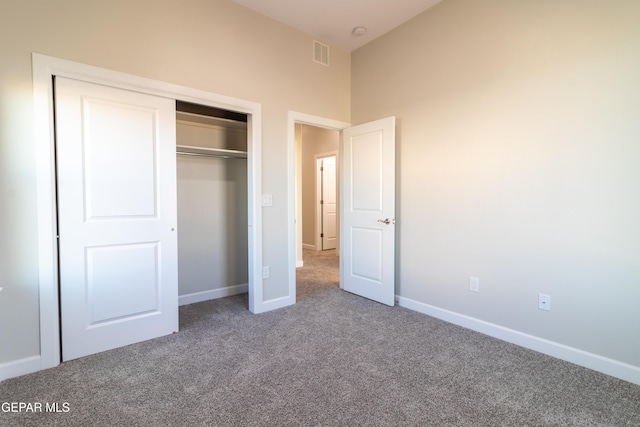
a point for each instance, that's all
(320, 53)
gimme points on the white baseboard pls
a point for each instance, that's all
(308, 246)
(276, 303)
(299, 263)
(621, 370)
(212, 294)
(19, 367)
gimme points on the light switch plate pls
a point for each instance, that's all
(267, 200)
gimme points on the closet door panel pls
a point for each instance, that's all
(117, 216)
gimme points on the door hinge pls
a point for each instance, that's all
(321, 168)
(321, 234)
(322, 202)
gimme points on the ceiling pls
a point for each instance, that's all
(332, 21)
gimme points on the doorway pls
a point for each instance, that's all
(367, 185)
(295, 188)
(44, 70)
(319, 150)
(117, 208)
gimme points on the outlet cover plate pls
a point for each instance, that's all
(474, 284)
(544, 302)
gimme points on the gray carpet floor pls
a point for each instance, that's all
(333, 359)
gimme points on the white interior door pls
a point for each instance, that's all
(368, 211)
(116, 177)
(329, 204)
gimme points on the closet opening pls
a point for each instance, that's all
(212, 202)
(148, 196)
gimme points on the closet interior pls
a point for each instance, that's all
(212, 202)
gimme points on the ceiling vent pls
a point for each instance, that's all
(320, 53)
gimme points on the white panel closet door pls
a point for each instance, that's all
(116, 171)
(368, 211)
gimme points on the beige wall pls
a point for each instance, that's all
(215, 46)
(518, 162)
(315, 140)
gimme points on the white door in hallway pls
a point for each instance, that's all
(116, 178)
(368, 211)
(329, 204)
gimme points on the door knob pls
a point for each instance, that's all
(385, 221)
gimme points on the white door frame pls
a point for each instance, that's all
(319, 195)
(44, 68)
(292, 238)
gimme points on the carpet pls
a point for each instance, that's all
(332, 359)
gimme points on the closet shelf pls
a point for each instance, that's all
(210, 152)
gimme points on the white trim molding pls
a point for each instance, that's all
(276, 303)
(579, 357)
(19, 367)
(212, 294)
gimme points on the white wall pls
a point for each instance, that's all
(518, 162)
(215, 46)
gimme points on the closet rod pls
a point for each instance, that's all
(220, 156)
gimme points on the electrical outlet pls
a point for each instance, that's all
(544, 302)
(267, 200)
(474, 284)
(265, 272)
